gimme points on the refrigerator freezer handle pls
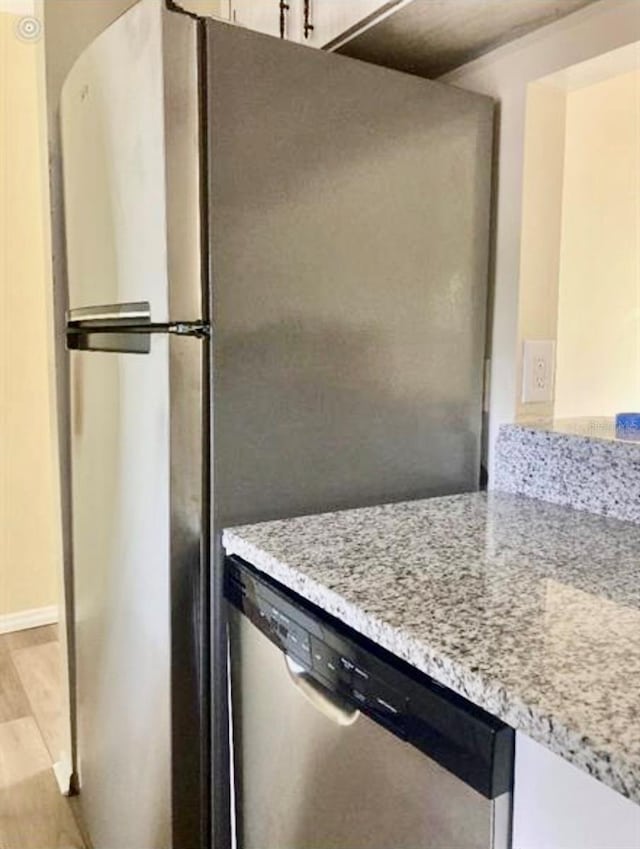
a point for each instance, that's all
(114, 327)
(137, 311)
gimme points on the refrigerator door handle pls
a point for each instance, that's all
(137, 311)
(123, 328)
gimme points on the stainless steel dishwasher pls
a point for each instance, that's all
(339, 745)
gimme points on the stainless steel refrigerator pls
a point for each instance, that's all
(277, 263)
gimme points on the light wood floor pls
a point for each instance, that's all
(33, 813)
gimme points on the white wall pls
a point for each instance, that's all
(505, 74)
(598, 351)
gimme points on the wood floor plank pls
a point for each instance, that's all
(33, 814)
(76, 808)
(30, 637)
(13, 701)
(40, 672)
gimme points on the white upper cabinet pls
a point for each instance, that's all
(332, 18)
(326, 19)
(265, 15)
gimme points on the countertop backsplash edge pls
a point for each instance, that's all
(574, 470)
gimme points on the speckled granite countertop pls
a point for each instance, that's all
(578, 463)
(529, 609)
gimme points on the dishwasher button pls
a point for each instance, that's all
(325, 661)
(384, 699)
(352, 670)
(297, 644)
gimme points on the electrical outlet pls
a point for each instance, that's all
(538, 366)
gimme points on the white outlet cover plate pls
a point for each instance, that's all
(538, 371)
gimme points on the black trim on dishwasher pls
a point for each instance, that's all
(466, 740)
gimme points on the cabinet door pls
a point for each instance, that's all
(557, 806)
(328, 18)
(332, 18)
(264, 16)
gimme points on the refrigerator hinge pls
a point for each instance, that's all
(199, 329)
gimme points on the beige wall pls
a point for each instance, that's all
(598, 353)
(505, 74)
(542, 187)
(28, 510)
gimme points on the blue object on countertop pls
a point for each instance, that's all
(628, 426)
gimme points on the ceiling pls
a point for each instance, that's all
(431, 37)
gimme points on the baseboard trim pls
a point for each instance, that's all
(64, 776)
(24, 619)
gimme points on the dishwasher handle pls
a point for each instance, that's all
(330, 705)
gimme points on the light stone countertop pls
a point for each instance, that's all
(529, 609)
(578, 463)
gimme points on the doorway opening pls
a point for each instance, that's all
(580, 260)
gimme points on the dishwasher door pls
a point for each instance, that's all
(312, 771)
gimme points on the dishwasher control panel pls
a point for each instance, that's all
(350, 676)
(333, 661)
(462, 737)
(293, 638)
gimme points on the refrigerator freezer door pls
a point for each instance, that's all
(349, 211)
(113, 137)
(130, 134)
